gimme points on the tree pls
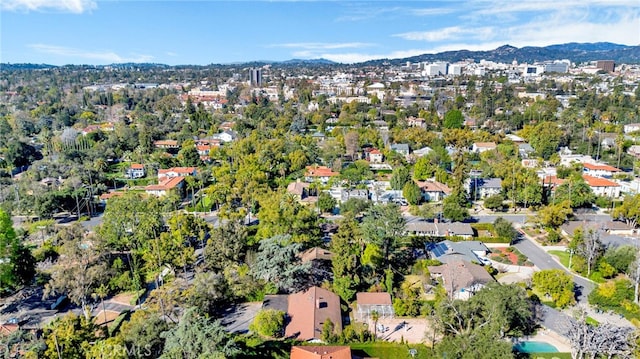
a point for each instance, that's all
(412, 193)
(423, 169)
(590, 341)
(504, 229)
(384, 227)
(453, 119)
(588, 246)
(347, 246)
(281, 213)
(209, 292)
(198, 337)
(557, 284)
(277, 262)
(354, 206)
(453, 209)
(18, 264)
(142, 334)
(554, 215)
(69, 337)
(476, 327)
(268, 323)
(494, 202)
(326, 202)
(80, 270)
(629, 210)
(545, 138)
(188, 155)
(227, 245)
(399, 177)
(576, 191)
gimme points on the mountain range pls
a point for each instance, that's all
(575, 52)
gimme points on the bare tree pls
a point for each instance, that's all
(590, 247)
(588, 341)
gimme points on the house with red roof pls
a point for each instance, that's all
(309, 310)
(599, 170)
(166, 186)
(135, 170)
(177, 172)
(320, 352)
(374, 155)
(602, 186)
(319, 173)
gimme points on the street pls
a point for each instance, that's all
(543, 261)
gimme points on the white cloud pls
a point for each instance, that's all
(448, 33)
(77, 55)
(73, 6)
(508, 6)
(323, 45)
(431, 11)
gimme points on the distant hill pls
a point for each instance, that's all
(576, 52)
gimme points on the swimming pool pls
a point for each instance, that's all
(534, 347)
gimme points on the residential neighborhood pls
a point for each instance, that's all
(424, 209)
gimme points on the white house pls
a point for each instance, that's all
(602, 186)
(631, 127)
(136, 170)
(176, 172)
(599, 170)
(480, 147)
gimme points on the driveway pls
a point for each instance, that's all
(236, 319)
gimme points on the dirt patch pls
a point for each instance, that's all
(123, 298)
(110, 317)
(512, 257)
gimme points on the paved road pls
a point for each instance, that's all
(544, 261)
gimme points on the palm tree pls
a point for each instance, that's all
(375, 316)
(101, 292)
(619, 146)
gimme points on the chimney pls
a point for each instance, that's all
(435, 220)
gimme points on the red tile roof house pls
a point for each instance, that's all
(309, 310)
(176, 172)
(599, 170)
(603, 186)
(319, 173)
(374, 156)
(136, 170)
(165, 186)
(320, 352)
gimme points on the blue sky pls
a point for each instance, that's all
(202, 32)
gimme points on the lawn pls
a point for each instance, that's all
(391, 350)
(563, 257)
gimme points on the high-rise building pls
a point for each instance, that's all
(606, 65)
(255, 77)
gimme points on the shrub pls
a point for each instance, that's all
(268, 323)
(553, 236)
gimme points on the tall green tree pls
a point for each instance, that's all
(347, 246)
(278, 262)
(198, 337)
(384, 227)
(399, 177)
(629, 210)
(18, 265)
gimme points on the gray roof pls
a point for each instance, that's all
(400, 147)
(490, 183)
(447, 251)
